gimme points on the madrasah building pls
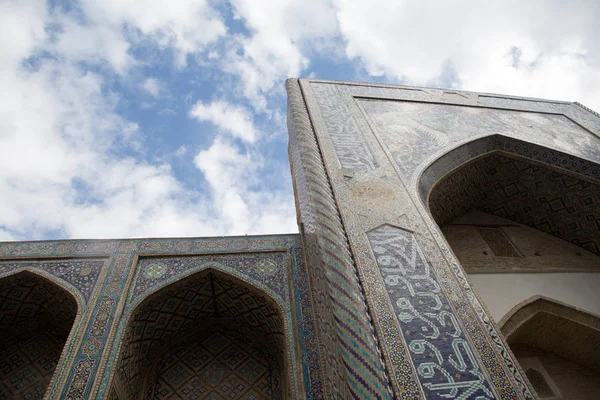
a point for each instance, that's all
(449, 248)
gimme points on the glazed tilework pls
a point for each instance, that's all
(26, 367)
(415, 131)
(215, 366)
(556, 203)
(28, 300)
(402, 132)
(88, 359)
(267, 268)
(80, 274)
(353, 367)
(446, 365)
(35, 320)
(181, 309)
(464, 153)
(325, 306)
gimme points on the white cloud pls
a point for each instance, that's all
(152, 86)
(283, 33)
(231, 175)
(61, 146)
(186, 26)
(93, 43)
(415, 40)
(22, 29)
(229, 118)
(75, 167)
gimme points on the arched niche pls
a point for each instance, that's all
(484, 195)
(506, 207)
(558, 347)
(36, 318)
(208, 334)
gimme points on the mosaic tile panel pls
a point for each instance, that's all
(27, 366)
(354, 368)
(403, 208)
(351, 147)
(27, 301)
(36, 317)
(95, 336)
(307, 336)
(446, 365)
(467, 152)
(214, 366)
(185, 307)
(267, 268)
(553, 202)
(81, 274)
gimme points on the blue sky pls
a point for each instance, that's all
(131, 118)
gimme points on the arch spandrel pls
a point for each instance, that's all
(79, 276)
(266, 270)
(447, 160)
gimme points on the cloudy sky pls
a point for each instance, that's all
(146, 118)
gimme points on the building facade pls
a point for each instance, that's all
(449, 249)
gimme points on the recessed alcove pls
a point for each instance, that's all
(520, 229)
(36, 318)
(210, 335)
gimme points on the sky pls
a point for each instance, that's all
(153, 118)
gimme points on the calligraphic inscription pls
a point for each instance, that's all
(350, 145)
(446, 365)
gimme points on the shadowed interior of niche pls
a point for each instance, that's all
(565, 342)
(209, 335)
(37, 317)
(554, 202)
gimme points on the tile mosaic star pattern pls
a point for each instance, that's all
(264, 267)
(215, 366)
(36, 317)
(89, 367)
(530, 194)
(26, 367)
(185, 307)
(27, 300)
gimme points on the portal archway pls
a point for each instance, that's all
(521, 215)
(545, 189)
(558, 347)
(36, 318)
(209, 334)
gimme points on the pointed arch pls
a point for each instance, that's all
(189, 313)
(564, 338)
(39, 313)
(532, 185)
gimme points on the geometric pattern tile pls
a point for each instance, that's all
(414, 132)
(81, 274)
(26, 367)
(35, 320)
(264, 267)
(28, 301)
(183, 309)
(352, 365)
(215, 366)
(555, 203)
